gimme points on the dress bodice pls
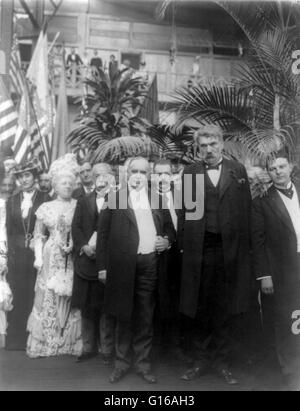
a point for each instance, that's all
(56, 216)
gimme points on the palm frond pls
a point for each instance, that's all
(228, 106)
(118, 149)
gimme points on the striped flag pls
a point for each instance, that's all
(28, 141)
(36, 148)
(17, 78)
(22, 145)
(8, 119)
(22, 140)
(29, 144)
(38, 76)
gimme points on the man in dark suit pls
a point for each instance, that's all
(213, 234)
(74, 58)
(88, 291)
(130, 236)
(96, 62)
(86, 177)
(113, 67)
(170, 324)
(276, 246)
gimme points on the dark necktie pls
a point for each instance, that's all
(288, 192)
(209, 167)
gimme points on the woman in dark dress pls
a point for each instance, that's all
(20, 222)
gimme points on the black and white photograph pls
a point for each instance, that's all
(149, 198)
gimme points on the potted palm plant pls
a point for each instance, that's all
(110, 127)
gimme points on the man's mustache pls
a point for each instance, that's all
(102, 186)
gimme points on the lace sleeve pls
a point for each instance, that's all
(40, 229)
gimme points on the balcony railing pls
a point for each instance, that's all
(166, 82)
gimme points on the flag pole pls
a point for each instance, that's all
(53, 43)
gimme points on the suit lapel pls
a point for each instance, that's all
(157, 218)
(195, 188)
(91, 203)
(279, 208)
(129, 211)
(225, 179)
(18, 205)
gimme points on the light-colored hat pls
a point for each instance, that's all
(66, 164)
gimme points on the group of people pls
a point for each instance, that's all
(95, 268)
(95, 63)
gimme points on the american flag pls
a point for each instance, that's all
(32, 132)
(8, 119)
(36, 148)
(17, 78)
(29, 141)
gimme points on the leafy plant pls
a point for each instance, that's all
(171, 145)
(110, 126)
(262, 111)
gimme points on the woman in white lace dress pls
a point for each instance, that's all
(54, 329)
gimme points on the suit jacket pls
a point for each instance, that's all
(169, 273)
(74, 59)
(113, 69)
(275, 246)
(96, 62)
(117, 248)
(234, 217)
(78, 193)
(83, 227)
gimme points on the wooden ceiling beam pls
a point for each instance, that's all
(30, 15)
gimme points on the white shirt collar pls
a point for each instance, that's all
(29, 194)
(291, 185)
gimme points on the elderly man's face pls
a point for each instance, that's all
(138, 173)
(103, 184)
(45, 183)
(211, 149)
(7, 187)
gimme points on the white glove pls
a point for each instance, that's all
(102, 275)
(38, 264)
